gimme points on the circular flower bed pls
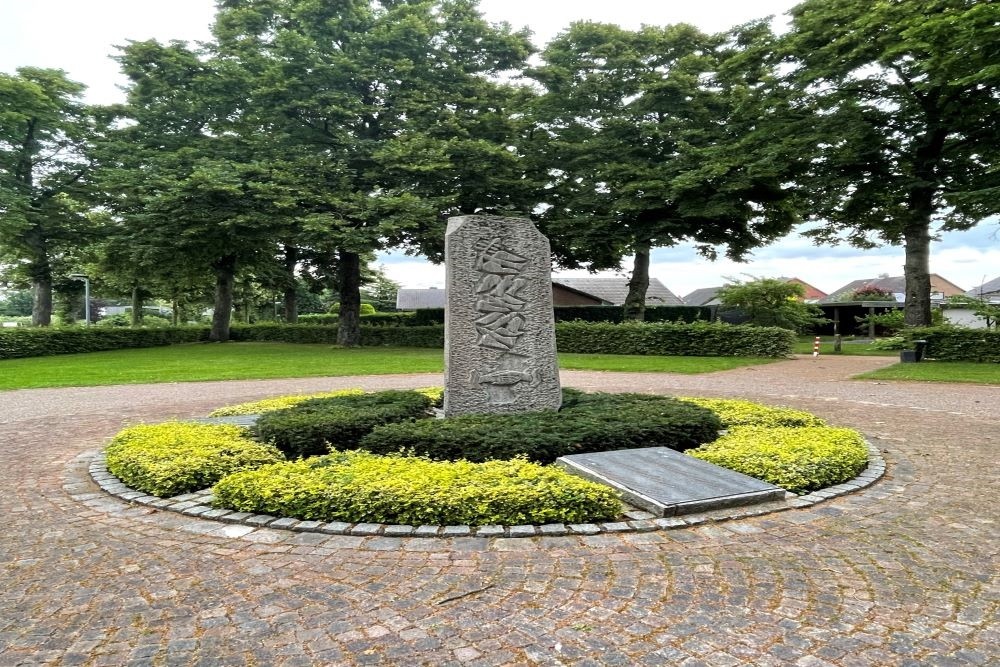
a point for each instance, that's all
(381, 458)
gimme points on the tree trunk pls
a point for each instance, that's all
(41, 300)
(290, 294)
(635, 302)
(225, 278)
(917, 273)
(137, 312)
(349, 286)
(175, 312)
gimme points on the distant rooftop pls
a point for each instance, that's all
(615, 289)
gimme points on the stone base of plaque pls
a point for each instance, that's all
(668, 483)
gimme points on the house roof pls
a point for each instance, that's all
(991, 287)
(702, 297)
(615, 289)
(893, 284)
(609, 290)
(812, 293)
(419, 299)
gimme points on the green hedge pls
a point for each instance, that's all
(373, 319)
(318, 425)
(799, 460)
(180, 457)
(699, 339)
(611, 314)
(361, 487)
(954, 344)
(16, 343)
(585, 423)
(371, 336)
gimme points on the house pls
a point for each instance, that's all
(988, 291)
(704, 296)
(610, 291)
(940, 288)
(810, 294)
(566, 291)
(965, 316)
(708, 296)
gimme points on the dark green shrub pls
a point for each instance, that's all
(616, 314)
(585, 423)
(361, 487)
(699, 339)
(23, 342)
(318, 425)
(955, 344)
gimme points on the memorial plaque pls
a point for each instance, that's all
(500, 341)
(667, 483)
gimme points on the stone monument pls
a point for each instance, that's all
(500, 339)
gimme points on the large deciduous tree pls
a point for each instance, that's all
(44, 139)
(906, 126)
(648, 138)
(382, 110)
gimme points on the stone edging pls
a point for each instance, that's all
(199, 504)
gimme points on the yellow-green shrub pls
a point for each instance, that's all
(734, 412)
(797, 459)
(436, 394)
(180, 457)
(358, 486)
(278, 403)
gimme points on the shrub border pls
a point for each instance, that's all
(199, 504)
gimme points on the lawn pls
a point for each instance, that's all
(861, 347)
(938, 371)
(245, 361)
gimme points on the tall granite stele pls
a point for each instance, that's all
(500, 338)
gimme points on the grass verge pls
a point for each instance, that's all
(860, 347)
(256, 361)
(938, 371)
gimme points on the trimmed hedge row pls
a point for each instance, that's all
(954, 344)
(361, 487)
(699, 339)
(371, 336)
(372, 319)
(586, 423)
(180, 457)
(610, 314)
(18, 343)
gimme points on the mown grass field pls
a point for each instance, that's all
(254, 361)
(938, 371)
(851, 347)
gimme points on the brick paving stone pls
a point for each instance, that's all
(901, 572)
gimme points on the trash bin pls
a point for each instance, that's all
(919, 347)
(908, 356)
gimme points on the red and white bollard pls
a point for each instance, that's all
(816, 347)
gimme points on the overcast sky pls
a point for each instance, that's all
(79, 36)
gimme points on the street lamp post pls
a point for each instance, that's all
(86, 296)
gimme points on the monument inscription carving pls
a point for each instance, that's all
(500, 354)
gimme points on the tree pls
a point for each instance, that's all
(648, 138)
(770, 302)
(190, 189)
(44, 164)
(906, 123)
(378, 110)
(16, 303)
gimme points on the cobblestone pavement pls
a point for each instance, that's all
(901, 573)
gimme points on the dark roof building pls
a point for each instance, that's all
(894, 285)
(989, 290)
(704, 296)
(588, 291)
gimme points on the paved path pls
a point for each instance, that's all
(902, 573)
